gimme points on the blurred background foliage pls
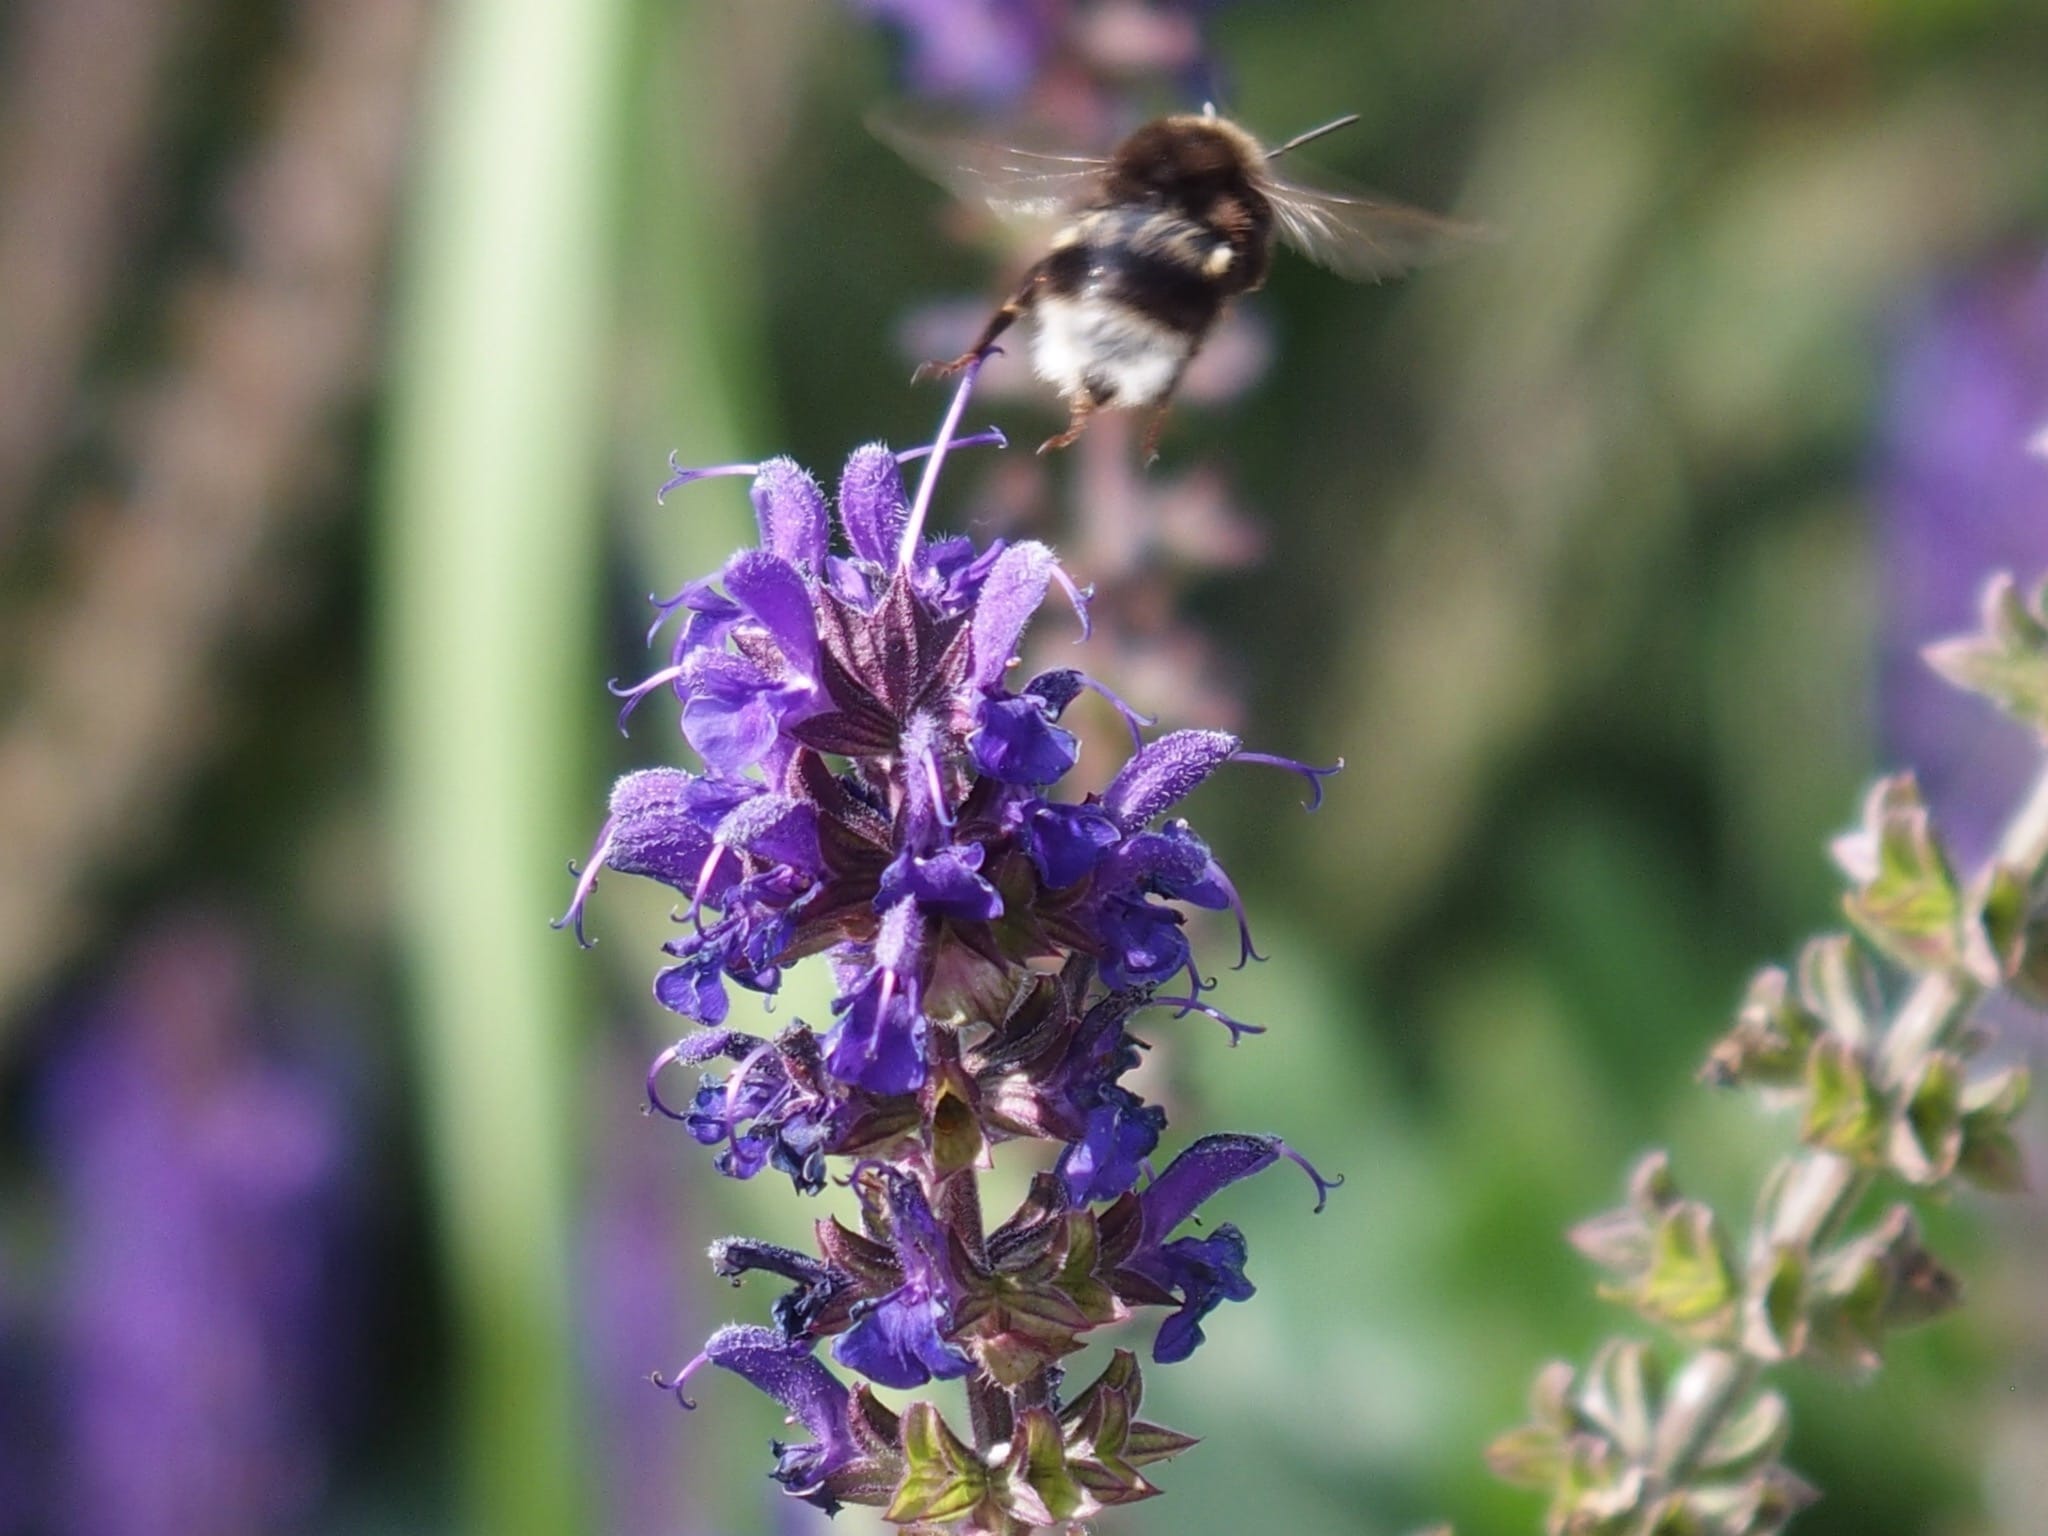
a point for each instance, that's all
(342, 343)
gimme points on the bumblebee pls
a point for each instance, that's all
(1156, 240)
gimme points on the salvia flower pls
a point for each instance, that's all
(879, 788)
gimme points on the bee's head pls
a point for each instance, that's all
(1188, 158)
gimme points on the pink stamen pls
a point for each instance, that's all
(586, 882)
(682, 1376)
(992, 438)
(913, 530)
(679, 476)
(673, 1053)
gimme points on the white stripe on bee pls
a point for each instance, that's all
(1078, 339)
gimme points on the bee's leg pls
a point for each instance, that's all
(1155, 428)
(1077, 421)
(1014, 308)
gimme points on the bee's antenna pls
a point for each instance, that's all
(1314, 133)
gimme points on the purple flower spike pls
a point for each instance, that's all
(791, 511)
(876, 790)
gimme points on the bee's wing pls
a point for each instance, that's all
(1024, 186)
(1362, 237)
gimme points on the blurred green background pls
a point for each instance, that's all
(342, 344)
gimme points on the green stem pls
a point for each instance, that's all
(486, 605)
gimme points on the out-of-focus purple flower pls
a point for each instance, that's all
(199, 1182)
(635, 1229)
(1963, 487)
(975, 50)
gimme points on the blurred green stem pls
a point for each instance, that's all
(488, 552)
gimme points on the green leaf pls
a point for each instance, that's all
(1147, 1443)
(2007, 660)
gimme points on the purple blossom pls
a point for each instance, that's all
(199, 1337)
(1962, 483)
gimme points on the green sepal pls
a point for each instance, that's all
(1837, 984)
(2003, 909)
(1906, 900)
(1844, 1113)
(1776, 1313)
(1927, 1135)
(953, 1131)
(1990, 1156)
(1748, 1441)
(1768, 1044)
(1039, 1487)
(1689, 1284)
(2007, 659)
(1147, 1443)
(943, 1479)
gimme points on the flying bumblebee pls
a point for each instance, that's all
(1158, 238)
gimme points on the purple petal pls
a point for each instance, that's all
(945, 885)
(873, 506)
(879, 1041)
(1206, 1271)
(661, 824)
(1207, 1167)
(1011, 594)
(799, 1381)
(1016, 742)
(791, 510)
(1068, 841)
(1163, 774)
(898, 1344)
(777, 829)
(1142, 943)
(733, 712)
(775, 593)
(1210, 1165)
